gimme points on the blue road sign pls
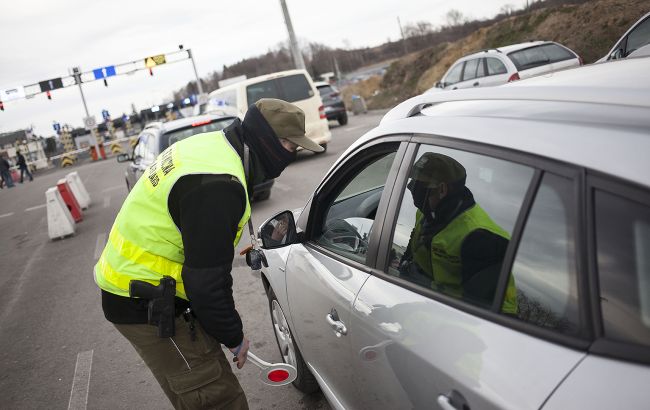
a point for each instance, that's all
(57, 127)
(104, 72)
(106, 115)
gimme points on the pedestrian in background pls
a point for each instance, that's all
(22, 164)
(5, 172)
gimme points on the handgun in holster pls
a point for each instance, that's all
(161, 308)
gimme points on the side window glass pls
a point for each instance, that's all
(544, 270)
(470, 69)
(455, 221)
(623, 257)
(454, 74)
(480, 70)
(495, 66)
(263, 89)
(295, 88)
(350, 218)
(639, 37)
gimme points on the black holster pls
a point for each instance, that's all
(161, 308)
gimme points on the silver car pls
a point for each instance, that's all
(560, 167)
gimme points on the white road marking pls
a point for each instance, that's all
(9, 214)
(113, 188)
(81, 381)
(99, 245)
(107, 201)
(35, 207)
(353, 128)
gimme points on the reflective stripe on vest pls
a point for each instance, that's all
(443, 257)
(144, 242)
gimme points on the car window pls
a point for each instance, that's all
(140, 152)
(638, 37)
(349, 219)
(544, 270)
(325, 90)
(295, 87)
(539, 55)
(451, 232)
(198, 128)
(471, 67)
(263, 89)
(454, 74)
(623, 258)
(495, 66)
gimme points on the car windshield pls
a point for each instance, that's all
(198, 128)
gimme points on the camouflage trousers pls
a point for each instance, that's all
(194, 374)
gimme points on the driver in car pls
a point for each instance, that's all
(455, 247)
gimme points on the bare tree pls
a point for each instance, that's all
(507, 9)
(454, 18)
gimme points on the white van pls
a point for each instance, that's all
(294, 86)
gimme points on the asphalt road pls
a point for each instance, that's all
(56, 349)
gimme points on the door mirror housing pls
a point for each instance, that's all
(124, 158)
(439, 84)
(278, 231)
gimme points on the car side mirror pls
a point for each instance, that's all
(124, 158)
(617, 54)
(439, 84)
(278, 231)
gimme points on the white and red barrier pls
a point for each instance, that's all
(59, 219)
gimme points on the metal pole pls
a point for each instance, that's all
(403, 39)
(77, 77)
(198, 80)
(295, 51)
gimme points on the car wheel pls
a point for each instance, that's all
(343, 118)
(305, 381)
(324, 148)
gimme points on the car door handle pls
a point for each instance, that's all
(453, 401)
(334, 322)
(476, 84)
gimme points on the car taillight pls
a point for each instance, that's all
(198, 124)
(321, 112)
(513, 77)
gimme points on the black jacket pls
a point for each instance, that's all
(206, 209)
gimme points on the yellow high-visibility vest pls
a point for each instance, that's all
(442, 259)
(144, 242)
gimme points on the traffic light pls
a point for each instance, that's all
(2, 106)
(150, 71)
(49, 96)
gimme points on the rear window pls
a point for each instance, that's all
(295, 87)
(539, 55)
(325, 90)
(291, 88)
(180, 134)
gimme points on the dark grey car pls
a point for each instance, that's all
(157, 136)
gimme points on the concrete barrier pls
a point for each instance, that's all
(59, 219)
(69, 200)
(78, 189)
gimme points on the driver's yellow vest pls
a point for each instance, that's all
(144, 242)
(442, 258)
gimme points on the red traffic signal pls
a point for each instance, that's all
(49, 96)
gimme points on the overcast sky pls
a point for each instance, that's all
(42, 39)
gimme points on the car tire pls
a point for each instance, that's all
(324, 148)
(305, 381)
(343, 118)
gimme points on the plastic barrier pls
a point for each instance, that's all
(78, 189)
(59, 219)
(69, 199)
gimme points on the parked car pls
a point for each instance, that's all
(502, 65)
(634, 38)
(334, 106)
(294, 86)
(157, 136)
(559, 165)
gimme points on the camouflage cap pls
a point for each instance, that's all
(433, 168)
(288, 121)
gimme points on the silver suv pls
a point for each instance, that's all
(502, 65)
(482, 249)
